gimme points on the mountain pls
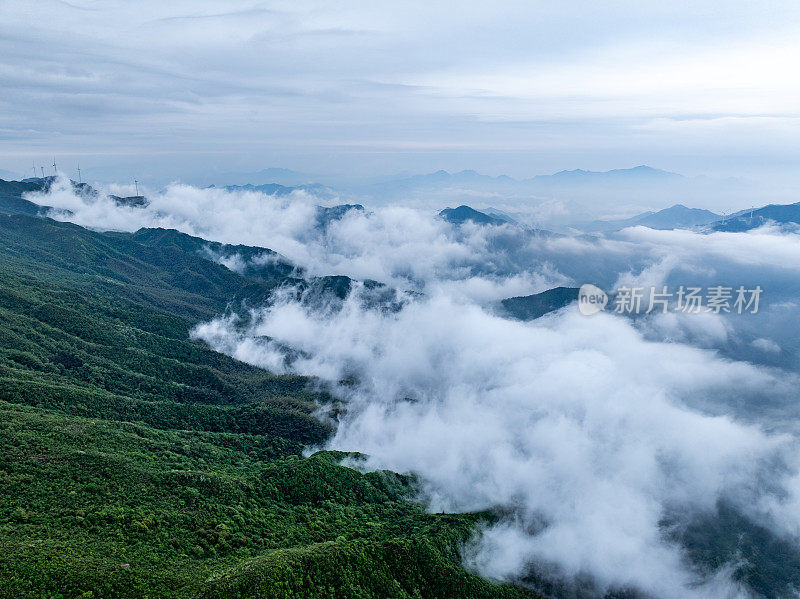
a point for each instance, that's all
(499, 214)
(261, 264)
(463, 214)
(675, 217)
(508, 238)
(130, 201)
(563, 200)
(325, 215)
(136, 462)
(531, 307)
(444, 178)
(637, 174)
(782, 214)
(11, 201)
(267, 188)
(275, 189)
(268, 176)
(678, 217)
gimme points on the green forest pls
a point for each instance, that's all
(138, 463)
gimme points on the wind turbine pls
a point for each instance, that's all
(136, 186)
(79, 173)
(41, 167)
(55, 168)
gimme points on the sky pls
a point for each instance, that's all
(178, 90)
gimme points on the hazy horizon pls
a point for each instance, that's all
(356, 89)
(559, 201)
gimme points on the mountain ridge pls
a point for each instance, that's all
(136, 462)
(677, 216)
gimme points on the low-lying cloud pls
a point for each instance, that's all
(405, 247)
(601, 438)
(580, 426)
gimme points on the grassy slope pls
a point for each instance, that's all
(134, 463)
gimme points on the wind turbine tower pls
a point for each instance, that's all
(136, 186)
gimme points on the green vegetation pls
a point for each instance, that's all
(136, 463)
(531, 307)
(11, 201)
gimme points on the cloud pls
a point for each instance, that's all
(589, 433)
(404, 247)
(410, 249)
(579, 426)
(766, 345)
(531, 88)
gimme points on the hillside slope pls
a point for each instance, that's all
(136, 463)
(11, 200)
(780, 214)
(531, 307)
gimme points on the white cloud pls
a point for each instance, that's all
(576, 423)
(766, 345)
(590, 430)
(406, 247)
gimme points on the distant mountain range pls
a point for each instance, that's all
(638, 174)
(782, 214)
(463, 214)
(281, 176)
(281, 181)
(681, 217)
(675, 217)
(553, 201)
(593, 183)
(276, 189)
(560, 200)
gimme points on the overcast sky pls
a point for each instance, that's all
(175, 89)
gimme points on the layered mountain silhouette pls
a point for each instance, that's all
(675, 217)
(781, 214)
(276, 189)
(640, 173)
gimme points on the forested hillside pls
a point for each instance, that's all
(136, 463)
